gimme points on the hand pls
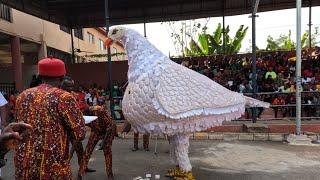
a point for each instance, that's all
(13, 134)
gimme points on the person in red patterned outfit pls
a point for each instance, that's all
(56, 118)
(104, 128)
(68, 85)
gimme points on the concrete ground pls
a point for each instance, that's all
(211, 160)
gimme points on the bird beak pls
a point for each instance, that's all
(108, 42)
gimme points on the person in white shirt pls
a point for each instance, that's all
(3, 109)
(3, 112)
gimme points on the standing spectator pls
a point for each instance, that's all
(56, 118)
(3, 109)
(34, 81)
(3, 113)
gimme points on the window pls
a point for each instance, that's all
(115, 50)
(78, 33)
(90, 38)
(101, 45)
(5, 13)
(65, 29)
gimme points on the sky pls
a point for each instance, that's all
(271, 23)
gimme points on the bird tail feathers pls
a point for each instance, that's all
(250, 102)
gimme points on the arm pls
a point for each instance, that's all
(72, 116)
(13, 134)
(3, 113)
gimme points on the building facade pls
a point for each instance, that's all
(24, 39)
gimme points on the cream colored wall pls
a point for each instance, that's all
(37, 30)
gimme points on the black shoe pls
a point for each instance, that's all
(90, 170)
(135, 149)
(146, 149)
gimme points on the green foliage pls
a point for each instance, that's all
(285, 42)
(208, 44)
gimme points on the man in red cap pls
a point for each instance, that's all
(56, 118)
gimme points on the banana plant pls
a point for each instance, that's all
(284, 42)
(209, 44)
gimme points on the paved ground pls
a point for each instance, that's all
(212, 160)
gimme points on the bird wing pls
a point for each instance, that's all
(183, 93)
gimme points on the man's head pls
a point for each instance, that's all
(51, 71)
(67, 84)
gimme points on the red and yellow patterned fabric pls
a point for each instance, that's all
(80, 97)
(104, 124)
(55, 118)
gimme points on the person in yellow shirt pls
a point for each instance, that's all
(271, 73)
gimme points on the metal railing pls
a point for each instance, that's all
(7, 89)
(310, 110)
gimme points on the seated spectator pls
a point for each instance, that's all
(306, 80)
(271, 73)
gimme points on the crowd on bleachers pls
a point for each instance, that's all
(275, 81)
(275, 77)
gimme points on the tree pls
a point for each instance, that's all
(209, 44)
(182, 32)
(284, 42)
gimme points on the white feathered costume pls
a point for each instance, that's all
(164, 97)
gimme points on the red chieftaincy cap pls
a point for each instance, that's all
(51, 67)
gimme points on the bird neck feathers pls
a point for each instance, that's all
(142, 55)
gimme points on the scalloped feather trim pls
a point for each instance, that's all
(188, 125)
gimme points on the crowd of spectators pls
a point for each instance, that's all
(275, 78)
(275, 81)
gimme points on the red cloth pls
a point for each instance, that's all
(307, 73)
(80, 97)
(51, 67)
(82, 101)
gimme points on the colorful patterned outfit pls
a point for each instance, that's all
(55, 117)
(77, 145)
(104, 124)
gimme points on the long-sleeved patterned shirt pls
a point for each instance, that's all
(55, 117)
(103, 124)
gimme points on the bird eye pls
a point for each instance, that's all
(114, 31)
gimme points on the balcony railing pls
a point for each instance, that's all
(5, 13)
(7, 89)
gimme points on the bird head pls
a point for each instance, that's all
(115, 34)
